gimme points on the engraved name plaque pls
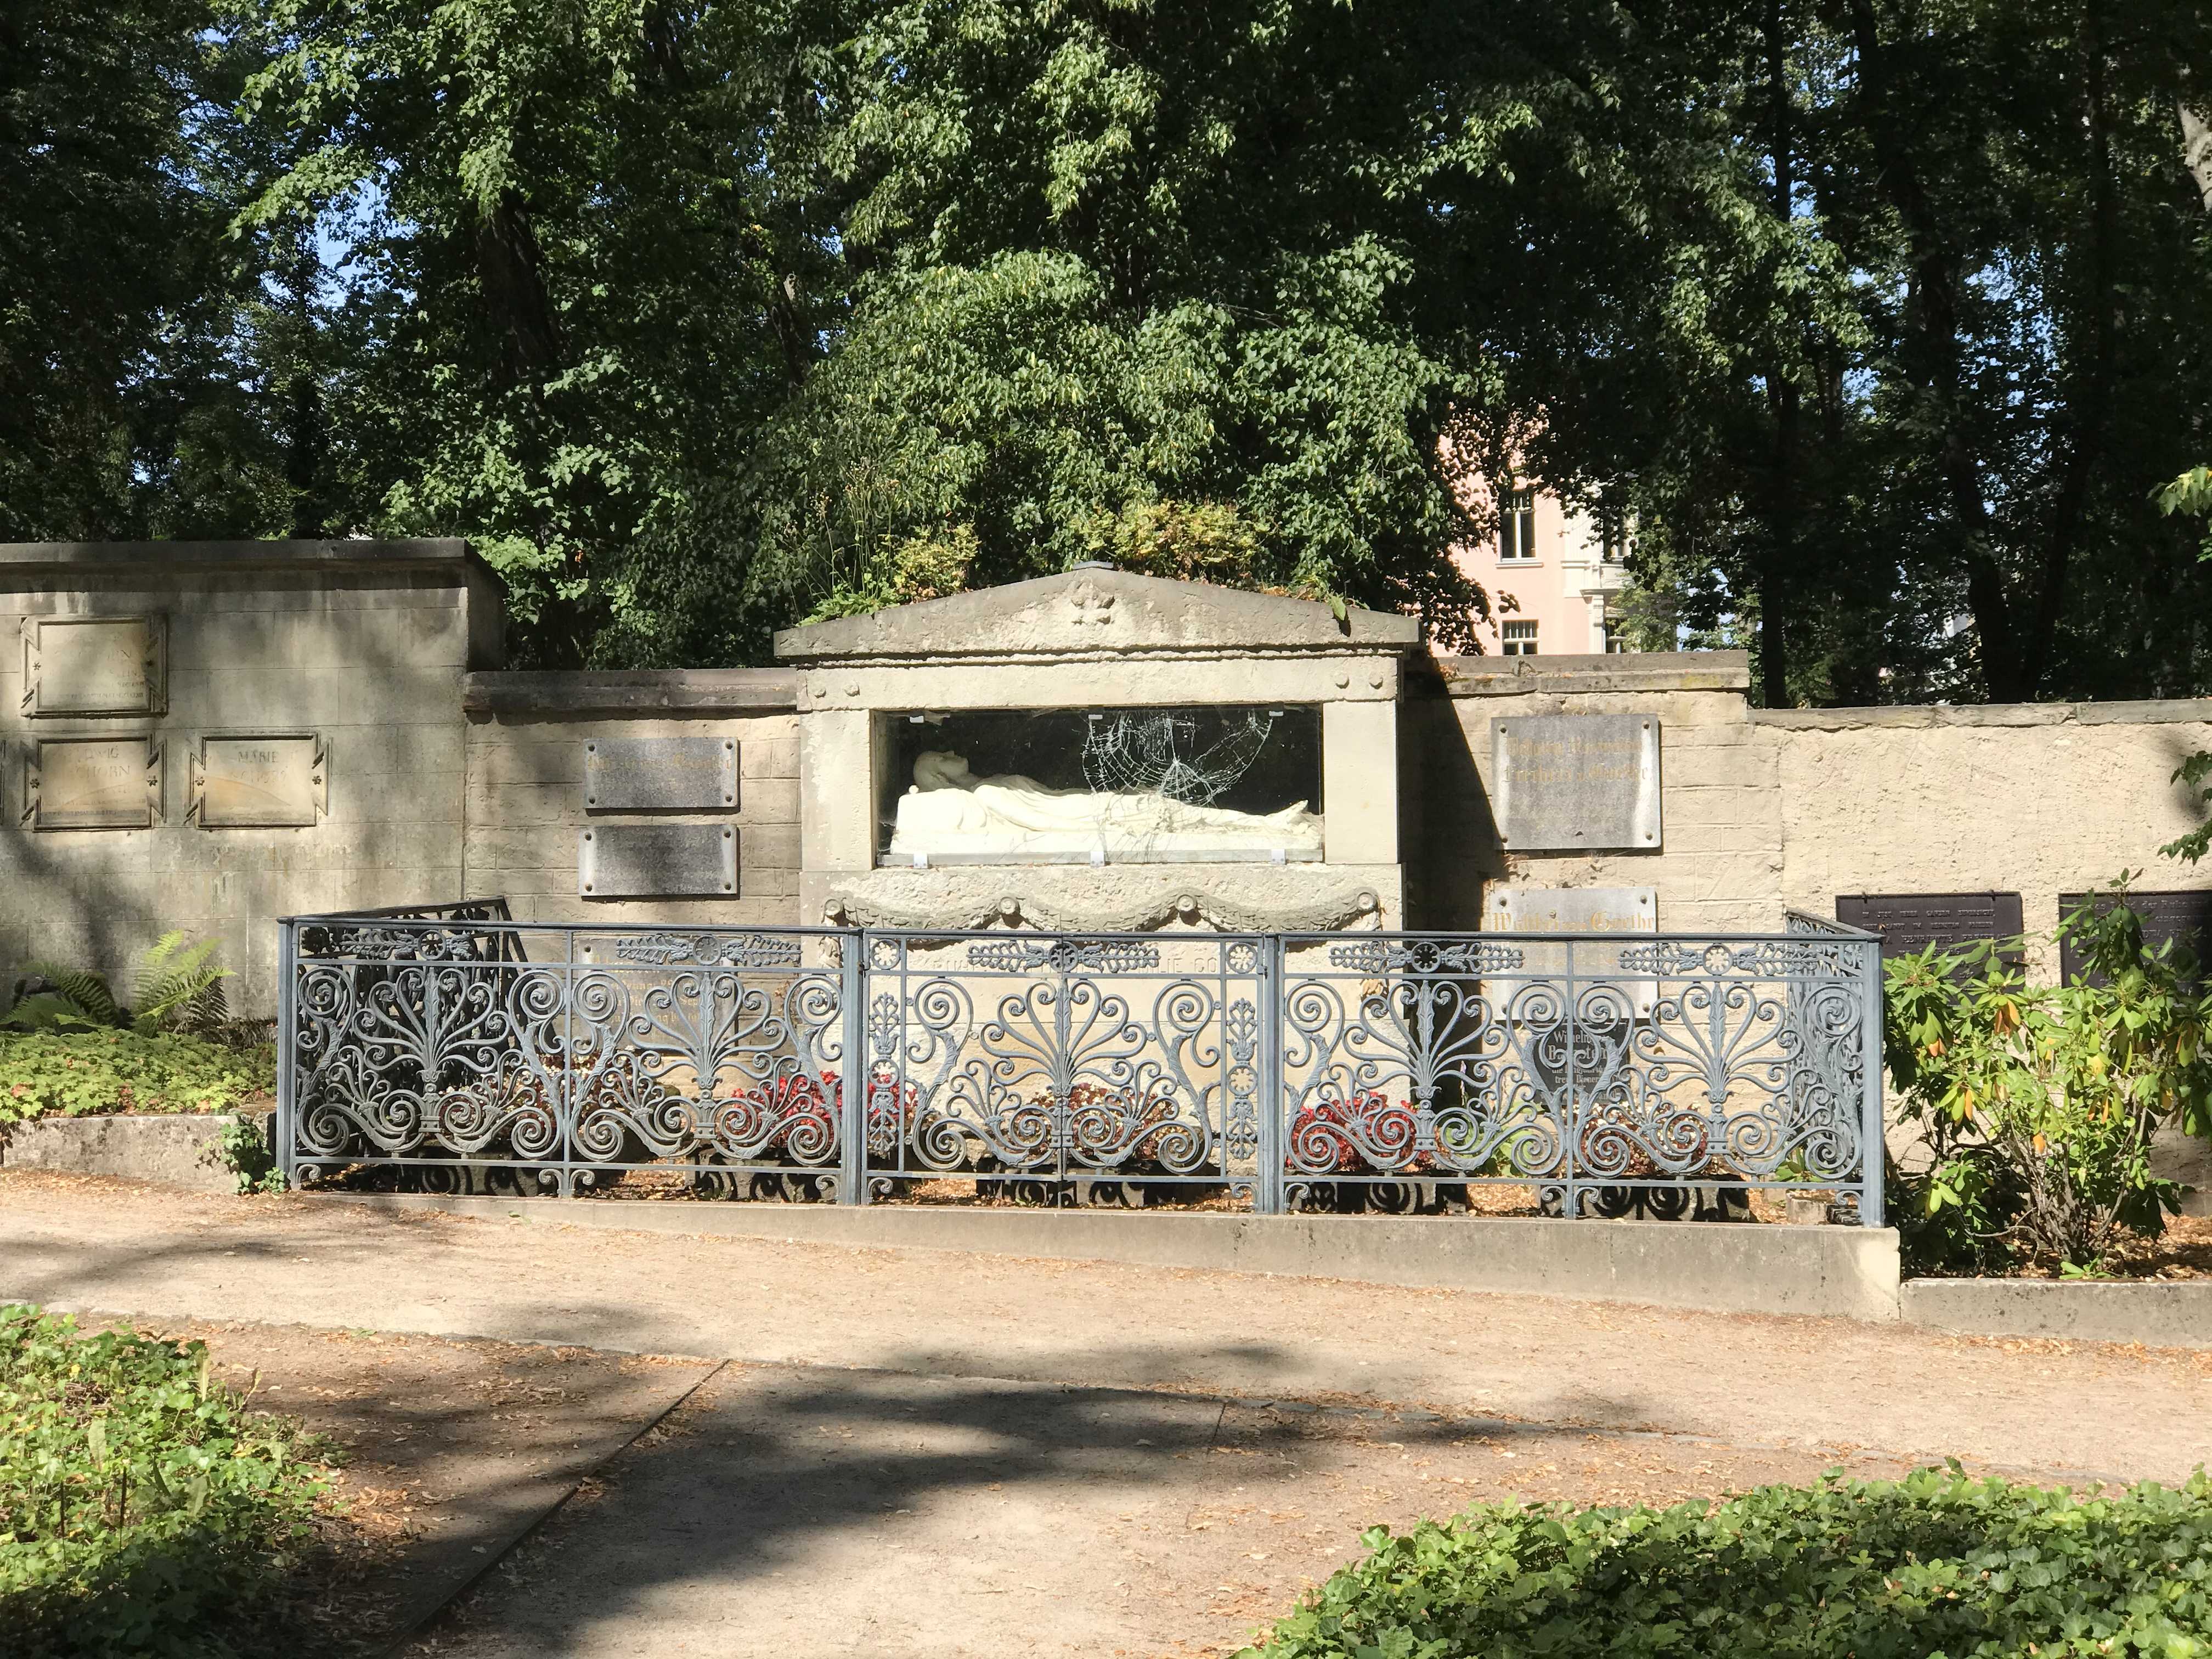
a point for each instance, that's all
(94, 783)
(1577, 910)
(93, 665)
(656, 860)
(1577, 783)
(660, 774)
(2182, 915)
(1912, 921)
(247, 782)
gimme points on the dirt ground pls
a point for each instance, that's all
(920, 1451)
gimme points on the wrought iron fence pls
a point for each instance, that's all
(1665, 1075)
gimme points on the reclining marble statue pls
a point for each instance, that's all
(950, 810)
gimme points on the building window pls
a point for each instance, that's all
(1616, 638)
(1613, 538)
(1520, 638)
(1517, 527)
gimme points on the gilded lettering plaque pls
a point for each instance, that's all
(93, 783)
(93, 665)
(656, 860)
(692, 773)
(1577, 783)
(242, 781)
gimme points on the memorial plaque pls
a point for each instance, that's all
(660, 774)
(656, 860)
(94, 783)
(1577, 783)
(1912, 921)
(2185, 917)
(243, 782)
(93, 665)
(1575, 910)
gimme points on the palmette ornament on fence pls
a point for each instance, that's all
(1275, 1071)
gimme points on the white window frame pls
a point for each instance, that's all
(1517, 527)
(1517, 638)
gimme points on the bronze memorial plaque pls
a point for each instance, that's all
(247, 782)
(2182, 915)
(1576, 783)
(1912, 921)
(656, 860)
(94, 783)
(93, 665)
(692, 773)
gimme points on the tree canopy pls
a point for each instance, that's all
(1884, 321)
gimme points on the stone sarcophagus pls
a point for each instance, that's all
(1101, 750)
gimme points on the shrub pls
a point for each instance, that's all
(178, 988)
(143, 1509)
(72, 1072)
(2039, 1104)
(1936, 1564)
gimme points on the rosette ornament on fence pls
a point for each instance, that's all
(1660, 1075)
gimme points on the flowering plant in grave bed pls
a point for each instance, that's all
(806, 1114)
(1334, 1136)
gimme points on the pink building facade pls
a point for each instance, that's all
(1553, 577)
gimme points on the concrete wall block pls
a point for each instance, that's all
(499, 757)
(769, 801)
(769, 847)
(768, 748)
(522, 804)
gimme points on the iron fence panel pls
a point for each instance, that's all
(1665, 1074)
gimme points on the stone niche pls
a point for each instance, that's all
(1105, 751)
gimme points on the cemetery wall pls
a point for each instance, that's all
(206, 735)
(2037, 798)
(1720, 862)
(530, 741)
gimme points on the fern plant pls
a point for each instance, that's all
(178, 988)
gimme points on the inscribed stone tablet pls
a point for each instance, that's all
(660, 774)
(95, 783)
(1912, 922)
(93, 665)
(656, 860)
(261, 782)
(1576, 782)
(1574, 909)
(2183, 916)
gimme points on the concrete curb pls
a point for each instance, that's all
(2160, 1314)
(1712, 1267)
(177, 1149)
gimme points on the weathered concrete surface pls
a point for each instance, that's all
(174, 1149)
(1749, 1379)
(1846, 1271)
(2162, 1313)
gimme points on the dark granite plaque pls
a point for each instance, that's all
(660, 774)
(2185, 917)
(1577, 783)
(656, 860)
(1912, 921)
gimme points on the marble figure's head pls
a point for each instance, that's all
(940, 768)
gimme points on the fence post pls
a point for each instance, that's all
(286, 1099)
(1267, 1189)
(1874, 1150)
(853, 1130)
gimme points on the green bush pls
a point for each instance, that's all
(1935, 1564)
(2038, 1104)
(68, 1073)
(143, 1509)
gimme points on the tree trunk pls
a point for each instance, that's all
(1782, 401)
(2197, 146)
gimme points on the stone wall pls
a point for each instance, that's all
(525, 801)
(357, 646)
(2039, 798)
(1720, 862)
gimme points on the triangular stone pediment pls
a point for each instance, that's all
(1092, 610)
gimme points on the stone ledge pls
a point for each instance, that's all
(28, 559)
(2158, 1313)
(634, 692)
(1653, 670)
(170, 1149)
(2177, 711)
(1838, 1272)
